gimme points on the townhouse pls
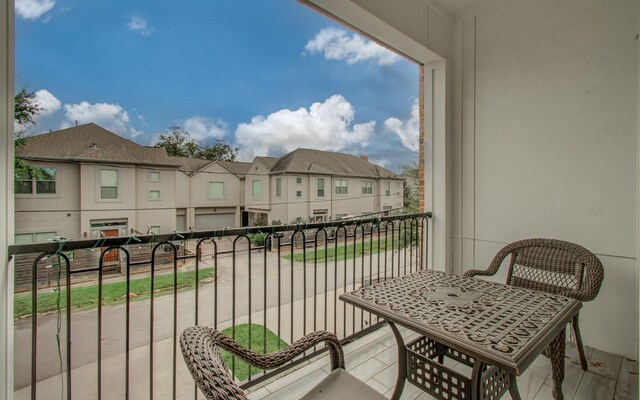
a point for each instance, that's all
(98, 184)
(313, 185)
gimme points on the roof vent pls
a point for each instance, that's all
(364, 158)
(94, 146)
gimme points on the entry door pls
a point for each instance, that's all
(111, 256)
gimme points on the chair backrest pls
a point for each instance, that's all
(552, 266)
(202, 355)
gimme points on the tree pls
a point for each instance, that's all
(24, 112)
(220, 151)
(177, 142)
(410, 193)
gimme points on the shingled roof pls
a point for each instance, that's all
(307, 161)
(190, 165)
(91, 143)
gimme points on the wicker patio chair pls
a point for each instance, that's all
(201, 351)
(552, 266)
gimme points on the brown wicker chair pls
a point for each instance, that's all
(201, 351)
(552, 266)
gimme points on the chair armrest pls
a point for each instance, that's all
(281, 357)
(474, 272)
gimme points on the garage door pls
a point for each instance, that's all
(215, 221)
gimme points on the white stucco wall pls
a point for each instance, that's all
(546, 142)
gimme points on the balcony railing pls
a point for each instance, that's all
(285, 278)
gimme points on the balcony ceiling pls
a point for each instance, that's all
(457, 6)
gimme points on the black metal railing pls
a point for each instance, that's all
(286, 278)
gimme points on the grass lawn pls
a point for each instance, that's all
(344, 252)
(85, 297)
(274, 343)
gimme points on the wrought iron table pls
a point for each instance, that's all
(496, 330)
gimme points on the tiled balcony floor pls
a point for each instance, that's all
(373, 360)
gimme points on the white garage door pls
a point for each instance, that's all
(205, 222)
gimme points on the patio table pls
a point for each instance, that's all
(494, 329)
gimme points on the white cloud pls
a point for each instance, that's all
(337, 44)
(408, 131)
(324, 126)
(48, 103)
(383, 162)
(203, 128)
(33, 9)
(139, 24)
(109, 116)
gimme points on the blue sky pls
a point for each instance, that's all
(266, 76)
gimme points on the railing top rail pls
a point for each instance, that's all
(270, 229)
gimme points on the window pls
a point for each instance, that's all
(299, 194)
(43, 184)
(278, 187)
(340, 216)
(216, 190)
(387, 189)
(256, 190)
(39, 237)
(320, 185)
(386, 208)
(298, 180)
(154, 195)
(108, 184)
(154, 176)
(341, 186)
(154, 229)
(367, 187)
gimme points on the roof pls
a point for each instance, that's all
(268, 162)
(307, 161)
(190, 165)
(91, 143)
(238, 168)
(194, 165)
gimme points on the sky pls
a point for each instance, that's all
(267, 76)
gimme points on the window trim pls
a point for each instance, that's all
(278, 187)
(209, 196)
(367, 187)
(318, 180)
(387, 189)
(298, 194)
(99, 185)
(341, 187)
(33, 182)
(154, 190)
(253, 189)
(149, 179)
(298, 180)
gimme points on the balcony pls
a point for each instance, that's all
(118, 335)
(118, 346)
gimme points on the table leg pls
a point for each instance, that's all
(555, 352)
(402, 363)
(513, 388)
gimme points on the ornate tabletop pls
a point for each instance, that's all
(503, 325)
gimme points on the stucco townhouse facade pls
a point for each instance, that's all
(99, 184)
(313, 185)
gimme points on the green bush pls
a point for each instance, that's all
(257, 239)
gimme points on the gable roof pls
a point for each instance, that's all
(307, 161)
(193, 165)
(190, 165)
(238, 168)
(91, 143)
(268, 162)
